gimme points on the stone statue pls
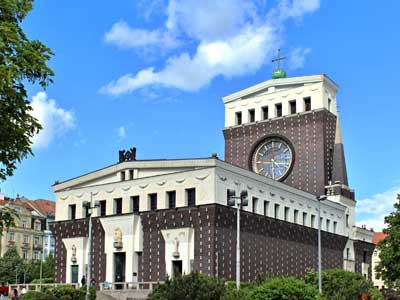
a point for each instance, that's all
(73, 258)
(176, 248)
(117, 238)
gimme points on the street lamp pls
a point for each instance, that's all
(89, 208)
(241, 202)
(319, 198)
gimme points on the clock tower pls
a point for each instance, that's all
(288, 129)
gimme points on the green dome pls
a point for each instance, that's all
(278, 73)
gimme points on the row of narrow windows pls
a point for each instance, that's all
(265, 112)
(153, 202)
(293, 215)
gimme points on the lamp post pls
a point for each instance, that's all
(319, 198)
(241, 202)
(89, 208)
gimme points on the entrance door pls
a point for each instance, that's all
(119, 269)
(176, 268)
(74, 274)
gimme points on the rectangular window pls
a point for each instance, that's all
(72, 211)
(287, 210)
(25, 254)
(130, 174)
(191, 197)
(135, 204)
(296, 216)
(264, 112)
(118, 206)
(36, 241)
(11, 236)
(307, 104)
(365, 253)
(347, 253)
(292, 106)
(328, 223)
(252, 115)
(86, 212)
(334, 226)
(276, 211)
(321, 222)
(153, 201)
(347, 220)
(238, 118)
(313, 225)
(329, 104)
(266, 208)
(123, 176)
(35, 255)
(103, 208)
(278, 109)
(26, 239)
(304, 218)
(255, 204)
(23, 224)
(171, 198)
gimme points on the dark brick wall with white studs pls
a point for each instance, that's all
(312, 135)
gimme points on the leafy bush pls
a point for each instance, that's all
(338, 284)
(37, 296)
(283, 288)
(194, 286)
(44, 280)
(67, 292)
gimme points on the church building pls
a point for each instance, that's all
(159, 218)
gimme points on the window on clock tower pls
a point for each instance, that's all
(252, 115)
(264, 112)
(278, 109)
(238, 118)
(307, 104)
(329, 104)
(292, 106)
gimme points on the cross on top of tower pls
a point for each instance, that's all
(278, 72)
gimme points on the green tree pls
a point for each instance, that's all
(10, 265)
(338, 284)
(22, 61)
(282, 288)
(7, 218)
(389, 249)
(194, 286)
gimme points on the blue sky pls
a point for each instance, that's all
(151, 74)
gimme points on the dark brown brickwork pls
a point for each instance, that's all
(78, 228)
(269, 246)
(312, 135)
(360, 247)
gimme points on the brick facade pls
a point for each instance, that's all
(312, 135)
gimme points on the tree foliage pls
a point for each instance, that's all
(194, 286)
(10, 265)
(22, 61)
(7, 218)
(338, 284)
(282, 288)
(389, 249)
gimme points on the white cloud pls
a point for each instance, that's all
(297, 58)
(124, 36)
(371, 211)
(232, 38)
(121, 132)
(54, 120)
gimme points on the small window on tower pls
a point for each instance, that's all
(191, 197)
(252, 115)
(255, 204)
(296, 216)
(130, 174)
(304, 218)
(264, 112)
(278, 109)
(123, 176)
(153, 201)
(328, 223)
(334, 226)
(313, 225)
(266, 208)
(118, 206)
(135, 204)
(329, 104)
(292, 106)
(102, 208)
(307, 104)
(238, 118)
(276, 211)
(171, 195)
(287, 210)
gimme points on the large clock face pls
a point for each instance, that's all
(273, 158)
